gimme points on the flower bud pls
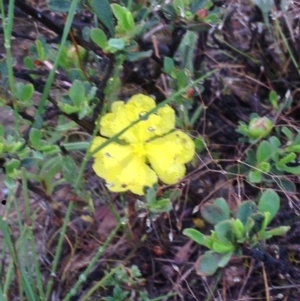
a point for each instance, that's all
(260, 127)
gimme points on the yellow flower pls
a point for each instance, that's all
(126, 166)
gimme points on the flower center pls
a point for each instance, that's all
(139, 150)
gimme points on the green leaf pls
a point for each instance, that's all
(77, 93)
(287, 132)
(53, 169)
(264, 167)
(69, 169)
(195, 117)
(222, 248)
(40, 50)
(24, 92)
(273, 98)
(115, 45)
(292, 170)
(130, 20)
(279, 231)
(124, 17)
(255, 176)
(224, 232)
(207, 264)
(187, 49)
(104, 13)
(85, 110)
(221, 202)
(213, 213)
(266, 221)
(213, 19)
(258, 219)
(264, 151)
(178, 7)
(35, 137)
(11, 168)
(269, 202)
(69, 109)
(287, 159)
(196, 236)
(62, 6)
(275, 142)
(74, 73)
(286, 185)
(224, 259)
(182, 79)
(249, 225)
(245, 210)
(293, 148)
(98, 37)
(297, 139)
(50, 149)
(168, 65)
(1, 130)
(75, 146)
(151, 196)
(174, 194)
(161, 205)
(29, 63)
(251, 158)
(91, 93)
(238, 230)
(28, 92)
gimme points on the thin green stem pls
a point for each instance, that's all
(38, 115)
(25, 193)
(7, 23)
(287, 46)
(39, 280)
(30, 236)
(58, 250)
(129, 5)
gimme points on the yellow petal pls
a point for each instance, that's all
(137, 175)
(156, 124)
(113, 123)
(122, 115)
(168, 154)
(134, 177)
(117, 105)
(105, 125)
(167, 119)
(122, 167)
(111, 160)
(96, 142)
(147, 129)
(138, 105)
(177, 145)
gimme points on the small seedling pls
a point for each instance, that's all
(271, 157)
(247, 227)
